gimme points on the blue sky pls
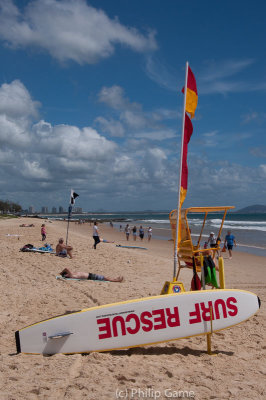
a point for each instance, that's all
(90, 98)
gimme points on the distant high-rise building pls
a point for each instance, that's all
(31, 210)
(54, 210)
(61, 210)
(44, 210)
(77, 210)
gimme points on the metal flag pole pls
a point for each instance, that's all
(69, 216)
(180, 174)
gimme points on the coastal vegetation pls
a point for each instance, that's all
(8, 207)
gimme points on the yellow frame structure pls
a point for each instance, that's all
(186, 249)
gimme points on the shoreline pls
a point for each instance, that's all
(247, 241)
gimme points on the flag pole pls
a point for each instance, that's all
(69, 216)
(180, 175)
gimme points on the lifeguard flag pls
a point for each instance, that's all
(188, 130)
(192, 93)
(73, 195)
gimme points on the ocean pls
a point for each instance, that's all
(249, 229)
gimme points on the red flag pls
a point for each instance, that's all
(192, 93)
(184, 174)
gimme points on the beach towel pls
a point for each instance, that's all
(45, 249)
(62, 278)
(131, 247)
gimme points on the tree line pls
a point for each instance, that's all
(9, 206)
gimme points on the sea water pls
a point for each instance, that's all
(249, 229)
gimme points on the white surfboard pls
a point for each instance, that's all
(39, 251)
(138, 322)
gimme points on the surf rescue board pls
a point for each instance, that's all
(138, 322)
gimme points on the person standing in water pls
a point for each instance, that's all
(149, 233)
(127, 231)
(141, 232)
(229, 241)
(134, 232)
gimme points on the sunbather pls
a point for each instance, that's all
(62, 249)
(66, 273)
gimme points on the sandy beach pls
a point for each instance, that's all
(31, 293)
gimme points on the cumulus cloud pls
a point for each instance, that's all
(132, 119)
(69, 30)
(114, 97)
(110, 126)
(40, 161)
(16, 102)
(38, 157)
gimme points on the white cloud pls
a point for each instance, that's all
(216, 76)
(41, 161)
(16, 102)
(263, 170)
(115, 98)
(32, 169)
(162, 74)
(69, 30)
(132, 120)
(254, 116)
(225, 77)
(219, 70)
(110, 126)
(156, 134)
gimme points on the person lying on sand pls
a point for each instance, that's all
(26, 226)
(103, 241)
(62, 249)
(66, 273)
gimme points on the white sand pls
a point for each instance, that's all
(30, 293)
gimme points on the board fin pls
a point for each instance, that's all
(17, 342)
(60, 335)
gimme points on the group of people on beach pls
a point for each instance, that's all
(64, 250)
(134, 232)
(229, 242)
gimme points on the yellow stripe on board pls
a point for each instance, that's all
(162, 341)
(139, 300)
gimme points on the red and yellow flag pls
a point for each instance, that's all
(188, 130)
(191, 105)
(192, 94)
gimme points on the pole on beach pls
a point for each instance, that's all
(68, 220)
(73, 195)
(180, 175)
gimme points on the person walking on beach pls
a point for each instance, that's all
(62, 249)
(66, 273)
(43, 232)
(134, 232)
(149, 233)
(95, 235)
(212, 240)
(141, 232)
(127, 231)
(229, 241)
